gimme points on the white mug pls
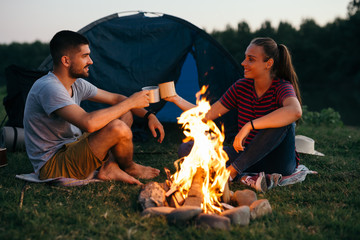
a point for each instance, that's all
(167, 89)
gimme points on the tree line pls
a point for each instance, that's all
(326, 58)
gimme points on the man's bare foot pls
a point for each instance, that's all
(111, 171)
(144, 172)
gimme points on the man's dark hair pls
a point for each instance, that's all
(65, 41)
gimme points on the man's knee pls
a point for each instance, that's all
(127, 118)
(119, 129)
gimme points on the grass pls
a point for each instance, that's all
(324, 206)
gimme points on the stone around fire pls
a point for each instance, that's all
(239, 216)
(260, 208)
(157, 211)
(244, 197)
(182, 215)
(213, 221)
(152, 195)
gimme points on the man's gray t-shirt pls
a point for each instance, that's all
(45, 132)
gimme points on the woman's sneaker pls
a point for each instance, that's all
(273, 180)
(258, 182)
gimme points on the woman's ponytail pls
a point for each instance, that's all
(286, 70)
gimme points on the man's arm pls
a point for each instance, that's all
(110, 98)
(93, 121)
(113, 99)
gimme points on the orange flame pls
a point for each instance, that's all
(207, 153)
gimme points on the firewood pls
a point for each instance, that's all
(168, 174)
(197, 183)
(171, 191)
(173, 202)
(226, 193)
(179, 198)
(193, 201)
(195, 195)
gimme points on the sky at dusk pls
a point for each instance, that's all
(31, 20)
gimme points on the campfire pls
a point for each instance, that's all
(200, 183)
(202, 174)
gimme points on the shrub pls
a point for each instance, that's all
(326, 117)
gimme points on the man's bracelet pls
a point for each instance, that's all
(146, 116)
(252, 125)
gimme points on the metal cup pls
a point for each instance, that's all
(153, 93)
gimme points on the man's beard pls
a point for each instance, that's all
(78, 73)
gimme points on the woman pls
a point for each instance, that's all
(268, 103)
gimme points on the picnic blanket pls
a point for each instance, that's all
(276, 179)
(298, 176)
(60, 181)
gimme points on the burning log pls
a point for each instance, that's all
(179, 197)
(226, 193)
(168, 174)
(193, 201)
(173, 202)
(176, 200)
(172, 189)
(197, 183)
(195, 195)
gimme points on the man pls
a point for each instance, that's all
(54, 121)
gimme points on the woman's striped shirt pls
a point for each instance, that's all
(242, 96)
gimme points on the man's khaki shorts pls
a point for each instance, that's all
(73, 160)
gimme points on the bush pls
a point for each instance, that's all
(326, 117)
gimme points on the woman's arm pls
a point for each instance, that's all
(216, 110)
(289, 113)
(180, 102)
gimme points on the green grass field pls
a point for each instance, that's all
(324, 206)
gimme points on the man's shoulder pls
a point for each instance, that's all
(46, 78)
(80, 82)
(46, 81)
